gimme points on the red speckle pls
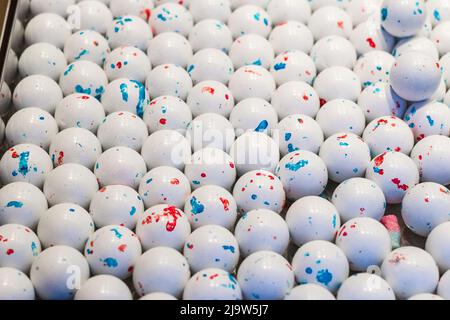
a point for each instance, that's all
(175, 182)
(102, 189)
(371, 43)
(203, 175)
(322, 102)
(420, 137)
(340, 24)
(305, 97)
(130, 269)
(397, 182)
(213, 276)
(232, 165)
(427, 199)
(84, 97)
(227, 97)
(119, 65)
(122, 247)
(398, 149)
(171, 215)
(95, 43)
(420, 157)
(9, 252)
(60, 160)
(190, 246)
(380, 159)
(209, 90)
(163, 121)
(226, 204)
(15, 155)
(148, 13)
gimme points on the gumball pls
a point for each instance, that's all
(380, 100)
(211, 9)
(359, 197)
(58, 7)
(299, 132)
(265, 275)
(19, 246)
(346, 156)
(132, 95)
(167, 113)
(15, 285)
(169, 48)
(11, 67)
(302, 173)
(104, 287)
(212, 284)
(415, 76)
(120, 165)
(295, 97)
(365, 242)
(427, 118)
(321, 262)
(174, 150)
(211, 247)
(254, 114)
(259, 190)
(129, 31)
(286, 10)
(47, 27)
(25, 163)
(293, 66)
(211, 205)
(328, 21)
(37, 91)
(42, 58)
(171, 17)
(169, 79)
(79, 110)
(291, 35)
(31, 125)
(211, 166)
(437, 240)
(127, 62)
(388, 134)
(416, 43)
(162, 270)
(251, 49)
(113, 250)
(361, 10)
(211, 130)
(374, 66)
(164, 185)
(312, 218)
(70, 183)
(403, 19)
(158, 296)
(439, 9)
(83, 77)
(431, 156)
(21, 203)
(333, 51)
(23, 9)
(52, 273)
(262, 230)
(142, 8)
(116, 205)
(369, 36)
(95, 16)
(337, 83)
(443, 288)
(250, 19)
(86, 45)
(365, 286)
(5, 98)
(210, 64)
(65, 224)
(210, 33)
(409, 271)
(311, 292)
(210, 96)
(122, 129)
(341, 115)
(252, 82)
(255, 151)
(17, 39)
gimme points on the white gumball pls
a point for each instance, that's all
(302, 173)
(361, 10)
(162, 270)
(167, 113)
(252, 82)
(125, 95)
(211, 246)
(25, 163)
(128, 62)
(168, 79)
(265, 275)
(210, 33)
(94, 15)
(262, 230)
(365, 286)
(15, 285)
(210, 64)
(321, 262)
(295, 97)
(312, 218)
(122, 129)
(436, 243)
(116, 205)
(49, 273)
(169, 47)
(254, 114)
(65, 224)
(359, 197)
(287, 10)
(210, 96)
(86, 45)
(374, 66)
(212, 284)
(291, 35)
(251, 49)
(129, 31)
(444, 286)
(439, 9)
(403, 19)
(211, 205)
(211, 9)
(250, 19)
(164, 185)
(31, 125)
(337, 83)
(333, 51)
(293, 66)
(104, 287)
(369, 36)
(409, 271)
(120, 165)
(47, 27)
(70, 183)
(330, 20)
(171, 17)
(346, 156)
(416, 43)
(113, 250)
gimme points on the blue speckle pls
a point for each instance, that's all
(262, 126)
(436, 15)
(111, 262)
(124, 91)
(81, 54)
(297, 166)
(197, 207)
(430, 120)
(140, 105)
(279, 66)
(287, 136)
(15, 204)
(117, 233)
(308, 270)
(384, 14)
(229, 248)
(133, 211)
(80, 89)
(254, 197)
(324, 276)
(23, 163)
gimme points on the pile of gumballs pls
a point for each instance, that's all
(226, 149)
